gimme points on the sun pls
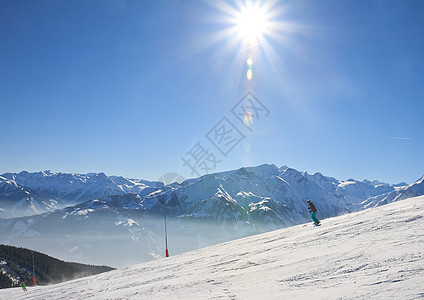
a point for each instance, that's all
(252, 24)
(248, 31)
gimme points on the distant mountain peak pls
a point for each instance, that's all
(237, 202)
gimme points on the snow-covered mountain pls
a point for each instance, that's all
(400, 193)
(372, 254)
(126, 228)
(266, 193)
(17, 200)
(26, 194)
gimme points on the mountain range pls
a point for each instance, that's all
(111, 220)
(34, 193)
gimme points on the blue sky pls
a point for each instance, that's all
(131, 87)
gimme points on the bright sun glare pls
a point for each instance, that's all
(251, 24)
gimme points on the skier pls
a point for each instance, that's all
(313, 210)
(23, 286)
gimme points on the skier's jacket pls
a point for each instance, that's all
(312, 207)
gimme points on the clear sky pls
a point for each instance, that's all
(132, 87)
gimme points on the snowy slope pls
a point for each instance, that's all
(372, 254)
(204, 211)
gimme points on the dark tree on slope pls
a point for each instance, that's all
(5, 281)
(17, 262)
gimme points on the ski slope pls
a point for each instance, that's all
(372, 254)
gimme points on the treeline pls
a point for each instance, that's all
(17, 263)
(5, 281)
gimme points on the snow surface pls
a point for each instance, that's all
(372, 254)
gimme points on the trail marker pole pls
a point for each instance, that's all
(34, 280)
(166, 236)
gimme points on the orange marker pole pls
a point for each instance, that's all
(34, 280)
(166, 236)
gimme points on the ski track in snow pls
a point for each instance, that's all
(372, 254)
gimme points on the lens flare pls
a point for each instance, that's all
(247, 120)
(249, 74)
(247, 147)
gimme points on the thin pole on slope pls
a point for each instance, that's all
(34, 280)
(166, 235)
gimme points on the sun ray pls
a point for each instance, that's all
(256, 29)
